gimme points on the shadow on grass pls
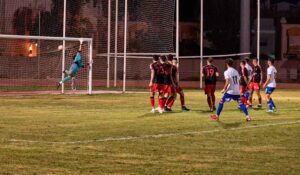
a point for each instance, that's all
(158, 114)
(257, 109)
(203, 111)
(274, 114)
(229, 125)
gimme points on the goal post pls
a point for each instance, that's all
(35, 63)
(133, 30)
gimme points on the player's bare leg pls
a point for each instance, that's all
(182, 101)
(250, 101)
(213, 97)
(259, 98)
(210, 102)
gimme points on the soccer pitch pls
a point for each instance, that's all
(117, 134)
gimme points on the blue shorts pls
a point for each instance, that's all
(269, 90)
(228, 97)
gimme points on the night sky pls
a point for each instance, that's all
(190, 8)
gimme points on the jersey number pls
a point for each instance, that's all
(210, 72)
(235, 79)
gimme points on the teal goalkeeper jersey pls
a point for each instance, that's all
(78, 60)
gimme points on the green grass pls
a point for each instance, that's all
(62, 118)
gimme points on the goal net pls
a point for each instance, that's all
(150, 31)
(32, 63)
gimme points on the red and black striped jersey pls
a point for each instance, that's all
(244, 75)
(256, 76)
(210, 74)
(158, 72)
(167, 73)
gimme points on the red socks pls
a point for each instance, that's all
(244, 100)
(164, 101)
(259, 100)
(250, 100)
(152, 102)
(161, 103)
(170, 102)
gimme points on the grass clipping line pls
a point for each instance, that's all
(128, 138)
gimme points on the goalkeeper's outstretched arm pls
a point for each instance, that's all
(80, 46)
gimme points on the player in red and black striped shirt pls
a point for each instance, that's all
(243, 81)
(256, 82)
(176, 89)
(210, 74)
(154, 86)
(168, 82)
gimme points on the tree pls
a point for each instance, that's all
(22, 21)
(52, 22)
(222, 24)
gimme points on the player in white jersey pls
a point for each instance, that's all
(270, 84)
(231, 90)
(250, 73)
(249, 68)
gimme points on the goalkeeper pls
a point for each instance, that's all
(77, 64)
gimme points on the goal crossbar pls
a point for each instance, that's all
(135, 54)
(145, 56)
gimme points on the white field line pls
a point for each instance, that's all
(152, 136)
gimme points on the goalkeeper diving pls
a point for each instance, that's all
(77, 64)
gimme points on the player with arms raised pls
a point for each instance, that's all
(231, 90)
(210, 74)
(270, 84)
(75, 67)
(154, 84)
(256, 82)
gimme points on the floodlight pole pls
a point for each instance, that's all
(116, 43)
(108, 42)
(177, 32)
(64, 45)
(201, 42)
(258, 31)
(39, 45)
(125, 46)
(90, 85)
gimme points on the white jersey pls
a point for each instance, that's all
(250, 70)
(233, 76)
(272, 72)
